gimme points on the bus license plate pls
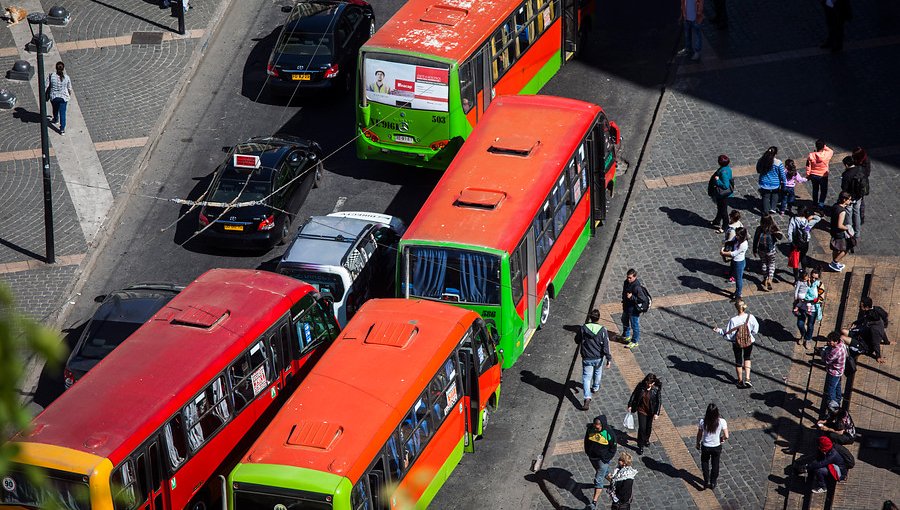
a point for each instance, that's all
(235, 228)
(404, 139)
(301, 76)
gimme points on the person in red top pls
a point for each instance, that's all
(817, 171)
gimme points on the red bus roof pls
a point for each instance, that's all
(358, 393)
(152, 374)
(511, 159)
(445, 28)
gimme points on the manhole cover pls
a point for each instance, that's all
(146, 38)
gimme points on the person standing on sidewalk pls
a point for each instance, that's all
(750, 326)
(817, 171)
(691, 19)
(600, 447)
(861, 158)
(594, 351)
(621, 483)
(646, 399)
(798, 234)
(806, 305)
(855, 182)
(835, 358)
(792, 179)
(59, 87)
(711, 433)
(765, 240)
(724, 188)
(843, 238)
(771, 180)
(738, 256)
(634, 301)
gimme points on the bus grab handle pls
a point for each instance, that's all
(224, 492)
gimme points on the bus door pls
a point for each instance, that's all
(531, 298)
(597, 175)
(139, 481)
(570, 29)
(469, 378)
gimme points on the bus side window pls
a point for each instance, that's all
(376, 477)
(208, 412)
(484, 354)
(517, 273)
(467, 86)
(176, 448)
(285, 337)
(523, 27)
(561, 205)
(239, 373)
(395, 458)
(124, 486)
(314, 327)
(574, 182)
(543, 231)
(361, 499)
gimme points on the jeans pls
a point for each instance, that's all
(737, 270)
(707, 454)
(819, 188)
(788, 197)
(806, 322)
(631, 326)
(60, 106)
(592, 371)
(645, 427)
(855, 216)
(602, 468)
(721, 212)
(692, 39)
(831, 396)
(770, 198)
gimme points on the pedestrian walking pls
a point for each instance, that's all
(843, 237)
(59, 88)
(646, 400)
(829, 465)
(792, 179)
(838, 427)
(837, 12)
(798, 234)
(722, 190)
(600, 447)
(635, 301)
(691, 19)
(817, 171)
(738, 260)
(621, 483)
(861, 158)
(740, 331)
(734, 223)
(807, 307)
(594, 350)
(855, 182)
(835, 358)
(765, 241)
(772, 178)
(711, 433)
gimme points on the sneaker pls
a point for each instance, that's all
(54, 121)
(731, 279)
(834, 266)
(719, 231)
(591, 506)
(819, 490)
(740, 384)
(586, 405)
(626, 339)
(595, 390)
(62, 132)
(632, 345)
(748, 384)
(769, 284)
(682, 52)
(842, 266)
(640, 450)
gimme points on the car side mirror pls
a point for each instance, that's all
(287, 8)
(100, 298)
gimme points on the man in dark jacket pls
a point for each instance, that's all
(870, 328)
(600, 447)
(594, 350)
(854, 181)
(633, 298)
(828, 466)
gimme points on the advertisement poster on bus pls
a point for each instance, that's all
(407, 85)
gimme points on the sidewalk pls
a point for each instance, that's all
(751, 90)
(127, 67)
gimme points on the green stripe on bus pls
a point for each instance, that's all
(290, 477)
(566, 269)
(442, 475)
(543, 76)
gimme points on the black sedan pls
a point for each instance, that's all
(319, 44)
(120, 314)
(257, 190)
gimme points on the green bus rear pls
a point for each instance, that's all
(268, 486)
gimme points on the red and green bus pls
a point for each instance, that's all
(384, 417)
(429, 74)
(160, 421)
(506, 223)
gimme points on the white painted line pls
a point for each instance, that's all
(339, 204)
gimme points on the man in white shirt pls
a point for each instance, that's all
(691, 17)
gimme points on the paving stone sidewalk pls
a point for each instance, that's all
(736, 104)
(122, 89)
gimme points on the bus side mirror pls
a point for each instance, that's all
(614, 128)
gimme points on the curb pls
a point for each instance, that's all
(56, 319)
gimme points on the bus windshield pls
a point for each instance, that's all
(65, 491)
(285, 499)
(453, 275)
(406, 82)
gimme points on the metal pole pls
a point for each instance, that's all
(180, 17)
(45, 149)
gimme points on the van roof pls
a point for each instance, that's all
(324, 240)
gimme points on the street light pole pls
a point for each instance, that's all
(39, 20)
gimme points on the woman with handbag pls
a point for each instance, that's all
(646, 399)
(739, 331)
(723, 189)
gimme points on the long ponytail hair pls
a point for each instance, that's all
(60, 70)
(711, 419)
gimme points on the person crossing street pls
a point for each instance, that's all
(594, 351)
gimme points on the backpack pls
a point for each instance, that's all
(644, 300)
(858, 185)
(849, 460)
(766, 242)
(711, 185)
(742, 336)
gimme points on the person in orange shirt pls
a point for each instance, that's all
(817, 171)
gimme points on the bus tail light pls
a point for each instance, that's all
(267, 224)
(440, 144)
(370, 135)
(68, 377)
(271, 71)
(331, 72)
(202, 220)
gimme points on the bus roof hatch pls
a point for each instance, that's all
(515, 145)
(479, 198)
(312, 434)
(444, 15)
(203, 316)
(392, 334)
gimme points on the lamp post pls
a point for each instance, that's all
(42, 43)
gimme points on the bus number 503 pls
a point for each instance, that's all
(437, 119)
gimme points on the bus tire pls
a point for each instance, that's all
(544, 311)
(285, 231)
(199, 504)
(485, 415)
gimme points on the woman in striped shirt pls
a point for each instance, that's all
(59, 86)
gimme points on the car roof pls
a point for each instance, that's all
(325, 240)
(133, 304)
(314, 17)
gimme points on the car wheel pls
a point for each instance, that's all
(285, 231)
(544, 310)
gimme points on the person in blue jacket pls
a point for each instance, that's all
(724, 182)
(772, 177)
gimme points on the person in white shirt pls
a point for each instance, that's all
(738, 260)
(741, 355)
(711, 433)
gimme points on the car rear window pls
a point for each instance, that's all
(104, 336)
(230, 188)
(296, 43)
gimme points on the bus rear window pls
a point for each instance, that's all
(287, 499)
(453, 275)
(406, 82)
(65, 491)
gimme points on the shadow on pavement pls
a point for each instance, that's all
(700, 369)
(563, 480)
(551, 387)
(672, 472)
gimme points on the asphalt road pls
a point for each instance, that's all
(623, 68)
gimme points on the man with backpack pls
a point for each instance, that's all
(855, 182)
(594, 351)
(829, 465)
(798, 234)
(635, 301)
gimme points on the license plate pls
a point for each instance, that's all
(301, 77)
(404, 139)
(235, 228)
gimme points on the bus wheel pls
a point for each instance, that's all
(544, 310)
(198, 505)
(484, 420)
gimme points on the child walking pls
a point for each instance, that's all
(793, 179)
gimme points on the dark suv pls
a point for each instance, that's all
(318, 46)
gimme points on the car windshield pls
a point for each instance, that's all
(104, 336)
(304, 44)
(453, 275)
(323, 282)
(230, 187)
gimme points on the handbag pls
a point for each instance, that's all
(47, 92)
(628, 423)
(794, 258)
